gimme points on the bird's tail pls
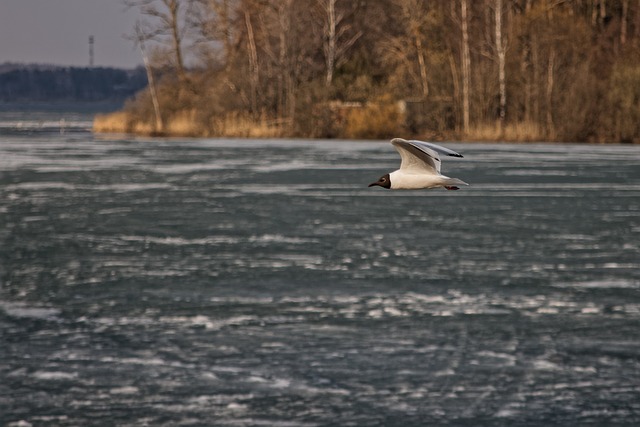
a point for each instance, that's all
(452, 182)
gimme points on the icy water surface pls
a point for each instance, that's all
(242, 283)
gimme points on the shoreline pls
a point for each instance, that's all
(185, 126)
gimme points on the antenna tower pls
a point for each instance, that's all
(91, 40)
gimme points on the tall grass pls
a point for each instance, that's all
(383, 119)
(241, 126)
(375, 120)
(117, 122)
(189, 123)
(515, 132)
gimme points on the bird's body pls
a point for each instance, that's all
(401, 180)
(420, 167)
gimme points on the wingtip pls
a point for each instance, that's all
(421, 144)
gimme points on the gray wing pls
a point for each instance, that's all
(435, 147)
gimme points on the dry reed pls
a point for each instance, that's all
(187, 123)
(515, 132)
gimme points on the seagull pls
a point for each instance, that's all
(420, 167)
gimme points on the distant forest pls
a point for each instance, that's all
(557, 70)
(47, 83)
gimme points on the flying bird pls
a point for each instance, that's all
(420, 167)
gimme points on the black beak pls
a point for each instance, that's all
(373, 184)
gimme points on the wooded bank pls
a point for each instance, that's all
(460, 69)
(20, 83)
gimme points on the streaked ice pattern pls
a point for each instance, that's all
(244, 283)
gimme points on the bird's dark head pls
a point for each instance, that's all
(384, 182)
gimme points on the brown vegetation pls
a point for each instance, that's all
(525, 70)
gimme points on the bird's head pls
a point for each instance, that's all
(384, 182)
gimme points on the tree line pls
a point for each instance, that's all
(48, 83)
(561, 70)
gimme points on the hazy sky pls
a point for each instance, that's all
(57, 32)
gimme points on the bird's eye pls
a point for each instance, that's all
(383, 179)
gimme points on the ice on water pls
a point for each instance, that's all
(262, 283)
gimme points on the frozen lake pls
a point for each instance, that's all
(240, 282)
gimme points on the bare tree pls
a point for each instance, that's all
(213, 19)
(337, 40)
(253, 62)
(140, 38)
(636, 26)
(286, 96)
(404, 50)
(623, 21)
(466, 65)
(165, 24)
(414, 16)
(501, 55)
(549, 92)
(415, 31)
